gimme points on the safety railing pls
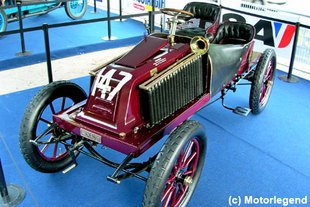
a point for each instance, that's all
(46, 27)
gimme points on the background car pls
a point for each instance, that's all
(75, 9)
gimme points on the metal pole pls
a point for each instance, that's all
(10, 195)
(3, 189)
(120, 10)
(289, 75)
(150, 21)
(21, 29)
(109, 21)
(153, 5)
(161, 23)
(95, 6)
(290, 78)
(47, 53)
(153, 16)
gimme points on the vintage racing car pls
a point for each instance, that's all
(139, 97)
(75, 9)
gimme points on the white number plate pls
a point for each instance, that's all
(90, 135)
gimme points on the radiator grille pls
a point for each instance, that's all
(176, 86)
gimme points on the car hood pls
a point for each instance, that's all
(146, 49)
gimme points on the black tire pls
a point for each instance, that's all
(263, 81)
(51, 99)
(75, 9)
(3, 21)
(168, 163)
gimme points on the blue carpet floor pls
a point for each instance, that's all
(265, 155)
(66, 41)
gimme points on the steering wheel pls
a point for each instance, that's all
(178, 16)
(176, 12)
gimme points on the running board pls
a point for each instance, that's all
(243, 111)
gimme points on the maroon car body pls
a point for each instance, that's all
(119, 121)
(113, 113)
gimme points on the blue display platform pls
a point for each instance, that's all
(66, 41)
(261, 156)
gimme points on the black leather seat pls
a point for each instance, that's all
(208, 15)
(234, 33)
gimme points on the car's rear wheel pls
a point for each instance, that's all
(51, 154)
(3, 21)
(263, 81)
(177, 168)
(76, 9)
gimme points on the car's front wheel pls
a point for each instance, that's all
(44, 147)
(177, 168)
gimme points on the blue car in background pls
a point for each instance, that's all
(75, 9)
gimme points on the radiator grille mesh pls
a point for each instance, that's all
(172, 89)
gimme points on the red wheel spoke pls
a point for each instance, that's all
(269, 69)
(197, 155)
(55, 150)
(267, 78)
(52, 108)
(182, 192)
(188, 150)
(170, 195)
(174, 197)
(262, 94)
(189, 172)
(267, 84)
(45, 121)
(167, 191)
(268, 73)
(63, 102)
(181, 187)
(171, 178)
(175, 169)
(189, 159)
(180, 159)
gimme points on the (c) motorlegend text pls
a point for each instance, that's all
(252, 200)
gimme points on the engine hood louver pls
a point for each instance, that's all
(172, 89)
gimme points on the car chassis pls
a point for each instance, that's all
(135, 100)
